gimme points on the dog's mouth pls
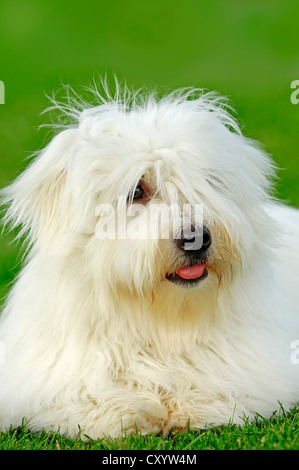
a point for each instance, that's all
(189, 276)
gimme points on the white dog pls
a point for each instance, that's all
(106, 333)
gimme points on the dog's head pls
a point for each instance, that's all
(146, 191)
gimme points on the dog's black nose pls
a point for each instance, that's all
(194, 239)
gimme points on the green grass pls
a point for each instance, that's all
(247, 51)
(278, 433)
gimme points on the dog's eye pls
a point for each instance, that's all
(139, 193)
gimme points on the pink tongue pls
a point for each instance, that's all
(192, 272)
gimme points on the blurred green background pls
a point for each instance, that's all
(246, 50)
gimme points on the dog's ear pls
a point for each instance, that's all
(259, 170)
(37, 200)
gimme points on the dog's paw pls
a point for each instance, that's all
(142, 425)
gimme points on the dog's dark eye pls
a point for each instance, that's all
(139, 193)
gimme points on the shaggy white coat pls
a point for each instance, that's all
(95, 335)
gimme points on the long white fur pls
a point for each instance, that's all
(94, 334)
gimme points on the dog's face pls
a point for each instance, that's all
(168, 192)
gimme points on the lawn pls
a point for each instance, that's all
(278, 433)
(247, 51)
